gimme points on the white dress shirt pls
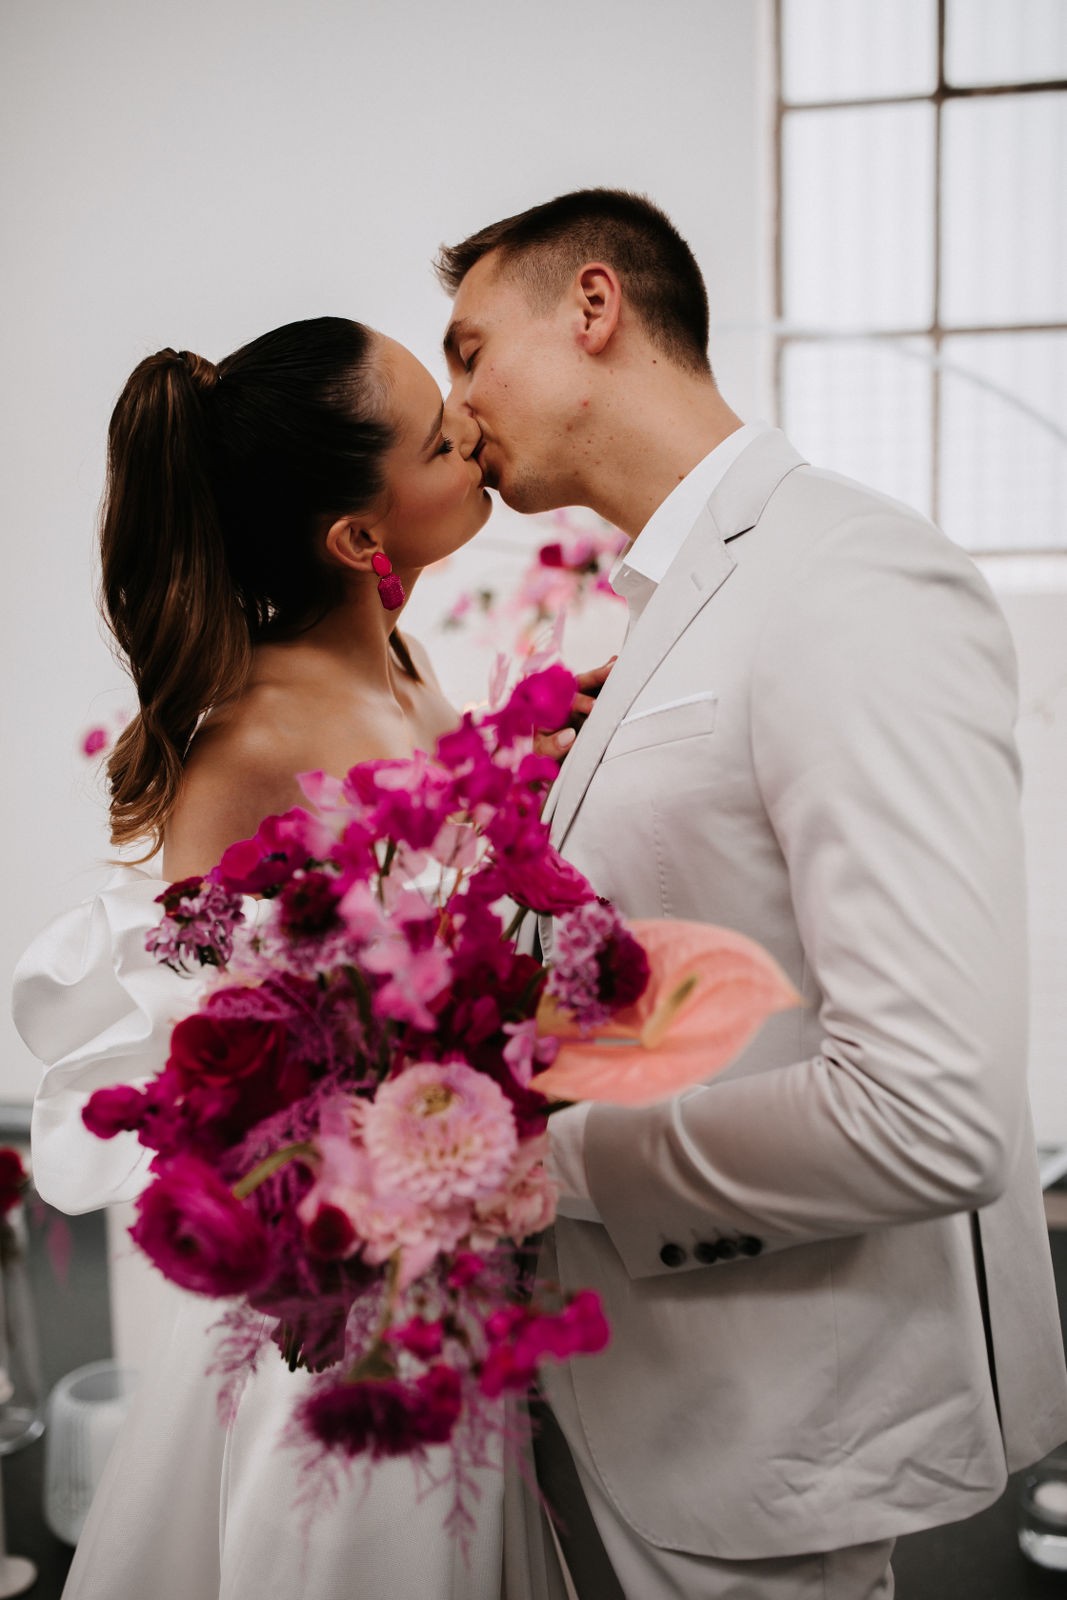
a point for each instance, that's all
(635, 577)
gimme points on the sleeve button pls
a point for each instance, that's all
(672, 1255)
(749, 1246)
(728, 1249)
(706, 1252)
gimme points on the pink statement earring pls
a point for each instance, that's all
(390, 588)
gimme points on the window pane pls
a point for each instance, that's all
(1004, 471)
(838, 50)
(857, 209)
(1004, 223)
(863, 408)
(1005, 41)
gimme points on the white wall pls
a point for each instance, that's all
(195, 173)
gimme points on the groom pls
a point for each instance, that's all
(827, 1270)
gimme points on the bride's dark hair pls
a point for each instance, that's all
(220, 482)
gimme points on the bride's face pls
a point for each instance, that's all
(435, 498)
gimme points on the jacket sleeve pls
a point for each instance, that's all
(882, 702)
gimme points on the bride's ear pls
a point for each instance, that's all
(351, 543)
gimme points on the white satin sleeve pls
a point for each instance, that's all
(97, 1010)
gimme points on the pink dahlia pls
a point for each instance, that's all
(440, 1132)
(525, 1205)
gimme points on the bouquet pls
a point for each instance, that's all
(349, 1131)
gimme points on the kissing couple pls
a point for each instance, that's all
(827, 1272)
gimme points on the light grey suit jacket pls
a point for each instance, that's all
(827, 1270)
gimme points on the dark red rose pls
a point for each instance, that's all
(551, 555)
(217, 1049)
(13, 1179)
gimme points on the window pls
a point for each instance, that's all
(921, 272)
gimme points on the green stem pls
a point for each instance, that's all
(269, 1166)
(515, 924)
(384, 869)
(379, 1361)
(363, 1000)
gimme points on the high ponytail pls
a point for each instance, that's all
(220, 483)
(166, 586)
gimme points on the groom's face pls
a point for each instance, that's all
(518, 371)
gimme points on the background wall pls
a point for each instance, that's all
(193, 174)
(196, 173)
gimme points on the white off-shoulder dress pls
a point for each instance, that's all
(188, 1509)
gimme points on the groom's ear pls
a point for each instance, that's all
(598, 297)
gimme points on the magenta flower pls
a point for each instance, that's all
(413, 980)
(385, 1417)
(421, 1338)
(199, 1234)
(542, 700)
(115, 1110)
(278, 847)
(540, 880)
(95, 740)
(440, 1132)
(520, 1338)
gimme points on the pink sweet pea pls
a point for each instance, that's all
(541, 700)
(279, 846)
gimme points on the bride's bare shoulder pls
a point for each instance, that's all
(240, 768)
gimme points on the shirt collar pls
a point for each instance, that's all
(643, 564)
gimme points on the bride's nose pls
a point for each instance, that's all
(461, 426)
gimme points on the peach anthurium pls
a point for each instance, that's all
(709, 991)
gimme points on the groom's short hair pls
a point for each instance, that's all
(544, 246)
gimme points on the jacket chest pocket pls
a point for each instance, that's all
(658, 727)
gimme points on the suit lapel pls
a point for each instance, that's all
(700, 569)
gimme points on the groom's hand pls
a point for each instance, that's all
(556, 743)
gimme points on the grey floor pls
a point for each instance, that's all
(974, 1560)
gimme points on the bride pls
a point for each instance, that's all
(264, 521)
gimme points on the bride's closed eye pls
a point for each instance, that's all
(445, 447)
